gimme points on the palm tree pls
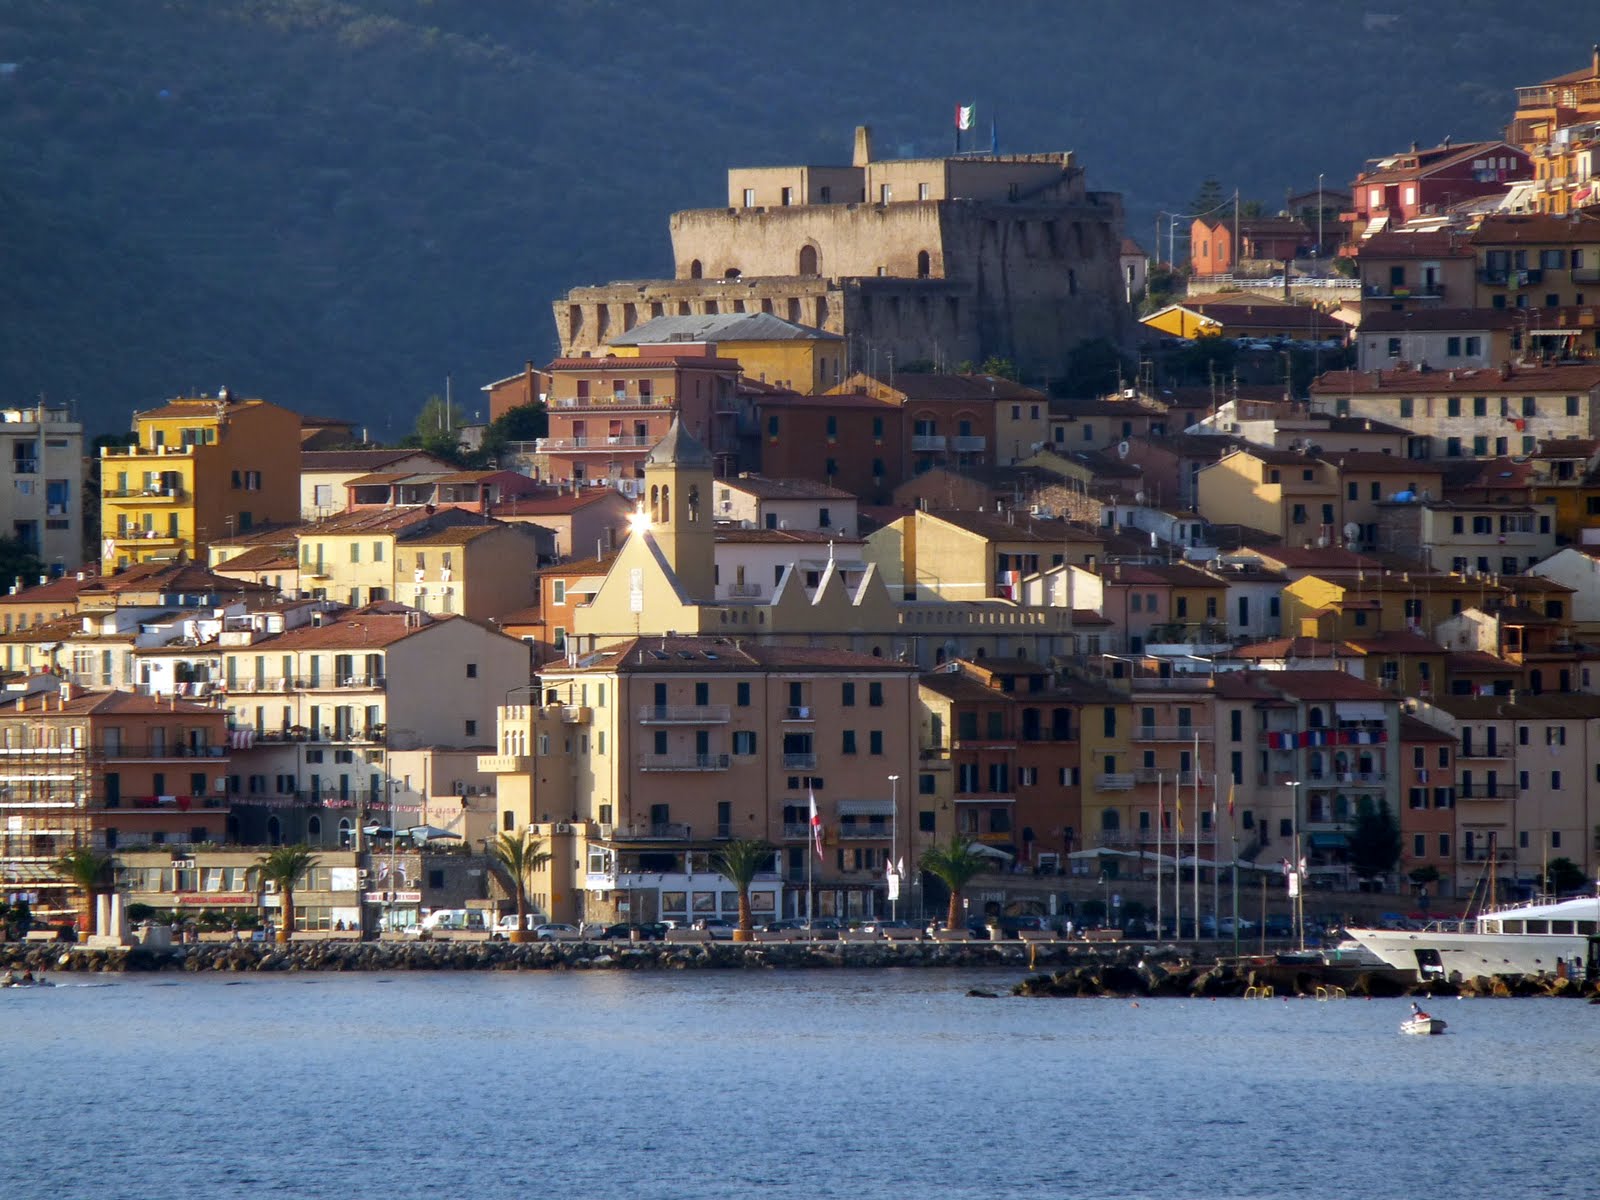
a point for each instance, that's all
(954, 864)
(284, 865)
(519, 855)
(89, 871)
(740, 861)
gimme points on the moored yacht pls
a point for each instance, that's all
(1545, 937)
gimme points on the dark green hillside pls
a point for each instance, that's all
(336, 204)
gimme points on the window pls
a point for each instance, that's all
(1452, 349)
(749, 197)
(875, 742)
(848, 698)
(1555, 781)
(1452, 406)
(1480, 406)
(1394, 352)
(1405, 401)
(472, 670)
(744, 741)
(558, 591)
(742, 695)
(1530, 406)
(875, 695)
(471, 728)
(848, 745)
(1572, 406)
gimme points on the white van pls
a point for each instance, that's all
(452, 919)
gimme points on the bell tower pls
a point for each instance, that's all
(678, 481)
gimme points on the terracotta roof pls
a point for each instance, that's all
(1362, 425)
(720, 327)
(1371, 462)
(362, 460)
(1173, 574)
(1398, 243)
(370, 628)
(1512, 228)
(1568, 448)
(580, 566)
(262, 558)
(1023, 528)
(699, 655)
(1428, 161)
(825, 400)
(1575, 377)
(198, 407)
(1413, 730)
(1397, 641)
(107, 704)
(1477, 662)
(169, 577)
(785, 489)
(65, 588)
(1299, 685)
(555, 502)
(650, 362)
(736, 535)
(1293, 647)
(1524, 707)
(1327, 559)
(457, 535)
(1422, 320)
(953, 685)
(930, 387)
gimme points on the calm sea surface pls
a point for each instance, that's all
(805, 1084)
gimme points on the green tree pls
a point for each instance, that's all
(519, 855)
(1002, 368)
(1374, 841)
(283, 866)
(740, 861)
(953, 864)
(524, 423)
(89, 872)
(1563, 876)
(1093, 368)
(1211, 201)
(16, 560)
(438, 430)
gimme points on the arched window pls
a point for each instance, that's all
(314, 827)
(808, 260)
(924, 264)
(732, 273)
(1314, 764)
(274, 832)
(694, 502)
(1314, 718)
(346, 831)
(696, 270)
(655, 503)
(666, 506)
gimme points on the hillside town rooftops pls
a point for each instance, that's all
(720, 327)
(1519, 378)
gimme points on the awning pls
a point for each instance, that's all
(990, 851)
(1555, 333)
(1328, 839)
(866, 808)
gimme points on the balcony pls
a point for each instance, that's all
(576, 714)
(579, 445)
(149, 538)
(1511, 278)
(1338, 779)
(799, 762)
(684, 762)
(1484, 791)
(24, 466)
(927, 441)
(622, 399)
(796, 831)
(651, 831)
(965, 444)
(799, 712)
(744, 591)
(126, 752)
(505, 764)
(1172, 733)
(876, 833)
(142, 496)
(1175, 777)
(1119, 782)
(1484, 752)
(683, 714)
(145, 451)
(1480, 854)
(1399, 291)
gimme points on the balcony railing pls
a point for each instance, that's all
(748, 591)
(860, 832)
(684, 762)
(1119, 782)
(1172, 733)
(1483, 791)
(799, 762)
(574, 445)
(683, 714)
(652, 831)
(1483, 752)
(963, 443)
(1176, 777)
(927, 441)
(796, 831)
(150, 495)
(1511, 278)
(613, 400)
(505, 764)
(1333, 779)
(146, 750)
(799, 712)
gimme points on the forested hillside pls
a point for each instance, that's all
(335, 204)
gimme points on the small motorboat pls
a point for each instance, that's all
(1422, 1023)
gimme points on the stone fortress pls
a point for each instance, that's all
(940, 260)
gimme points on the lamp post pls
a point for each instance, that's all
(1105, 892)
(1294, 860)
(1319, 219)
(894, 844)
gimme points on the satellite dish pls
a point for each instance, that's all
(1122, 449)
(1352, 531)
(1138, 497)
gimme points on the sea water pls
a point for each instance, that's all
(892, 1083)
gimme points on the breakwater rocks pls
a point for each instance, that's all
(1178, 978)
(538, 956)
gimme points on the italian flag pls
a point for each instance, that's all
(966, 116)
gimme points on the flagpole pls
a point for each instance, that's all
(1197, 837)
(1159, 817)
(1233, 844)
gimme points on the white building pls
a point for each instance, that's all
(42, 451)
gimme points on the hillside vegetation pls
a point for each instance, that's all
(336, 204)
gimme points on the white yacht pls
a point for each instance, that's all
(1545, 937)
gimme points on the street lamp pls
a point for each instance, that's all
(1319, 219)
(894, 844)
(1105, 886)
(1294, 860)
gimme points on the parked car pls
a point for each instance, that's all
(1279, 925)
(507, 925)
(649, 931)
(784, 923)
(879, 924)
(557, 931)
(721, 930)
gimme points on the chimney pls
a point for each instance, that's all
(863, 154)
(1505, 369)
(1594, 62)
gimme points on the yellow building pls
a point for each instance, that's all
(957, 555)
(1353, 609)
(1290, 495)
(1241, 316)
(202, 469)
(767, 347)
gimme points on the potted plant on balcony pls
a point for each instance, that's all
(740, 861)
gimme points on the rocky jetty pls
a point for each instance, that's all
(1209, 981)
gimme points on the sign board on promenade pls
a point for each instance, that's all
(392, 897)
(217, 900)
